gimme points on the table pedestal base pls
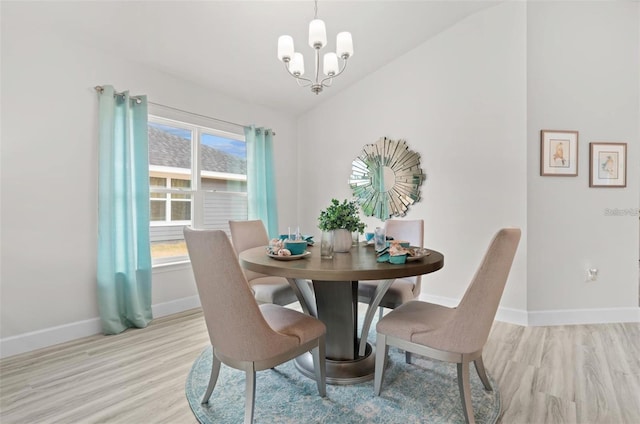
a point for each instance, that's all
(343, 371)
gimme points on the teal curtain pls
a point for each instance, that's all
(124, 256)
(261, 186)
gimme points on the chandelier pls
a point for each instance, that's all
(294, 61)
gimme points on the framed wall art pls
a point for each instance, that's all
(559, 153)
(607, 164)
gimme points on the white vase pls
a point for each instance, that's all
(342, 241)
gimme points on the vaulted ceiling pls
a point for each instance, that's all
(230, 46)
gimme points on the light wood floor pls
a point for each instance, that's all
(566, 374)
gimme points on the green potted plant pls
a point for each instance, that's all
(342, 219)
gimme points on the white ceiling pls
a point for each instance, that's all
(230, 46)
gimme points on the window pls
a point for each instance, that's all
(178, 151)
(170, 207)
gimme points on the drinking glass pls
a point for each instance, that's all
(326, 245)
(379, 238)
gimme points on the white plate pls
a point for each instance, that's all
(417, 257)
(289, 258)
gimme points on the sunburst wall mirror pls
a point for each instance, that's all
(386, 178)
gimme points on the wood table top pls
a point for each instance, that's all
(357, 264)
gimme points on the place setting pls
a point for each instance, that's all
(290, 246)
(400, 252)
(393, 251)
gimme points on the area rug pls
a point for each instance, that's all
(423, 392)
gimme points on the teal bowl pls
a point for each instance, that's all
(296, 247)
(397, 260)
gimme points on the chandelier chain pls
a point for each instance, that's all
(315, 13)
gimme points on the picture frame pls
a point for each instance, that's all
(558, 153)
(607, 164)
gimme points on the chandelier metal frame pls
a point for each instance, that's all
(294, 61)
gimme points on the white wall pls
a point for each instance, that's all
(49, 177)
(472, 101)
(583, 74)
(460, 102)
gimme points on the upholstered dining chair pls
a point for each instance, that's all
(243, 334)
(452, 334)
(266, 288)
(403, 289)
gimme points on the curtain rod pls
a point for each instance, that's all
(100, 89)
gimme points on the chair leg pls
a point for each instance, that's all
(407, 356)
(465, 391)
(382, 351)
(215, 370)
(380, 313)
(250, 393)
(320, 365)
(482, 373)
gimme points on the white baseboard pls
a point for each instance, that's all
(175, 306)
(39, 339)
(512, 316)
(552, 317)
(584, 316)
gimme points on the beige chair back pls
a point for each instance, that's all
(236, 326)
(479, 305)
(246, 235)
(469, 330)
(411, 230)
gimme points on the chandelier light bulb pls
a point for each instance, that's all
(285, 48)
(330, 65)
(344, 45)
(317, 34)
(296, 66)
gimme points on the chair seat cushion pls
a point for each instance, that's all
(292, 323)
(414, 320)
(401, 291)
(271, 289)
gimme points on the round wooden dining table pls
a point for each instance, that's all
(328, 290)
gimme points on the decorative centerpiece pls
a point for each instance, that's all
(342, 220)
